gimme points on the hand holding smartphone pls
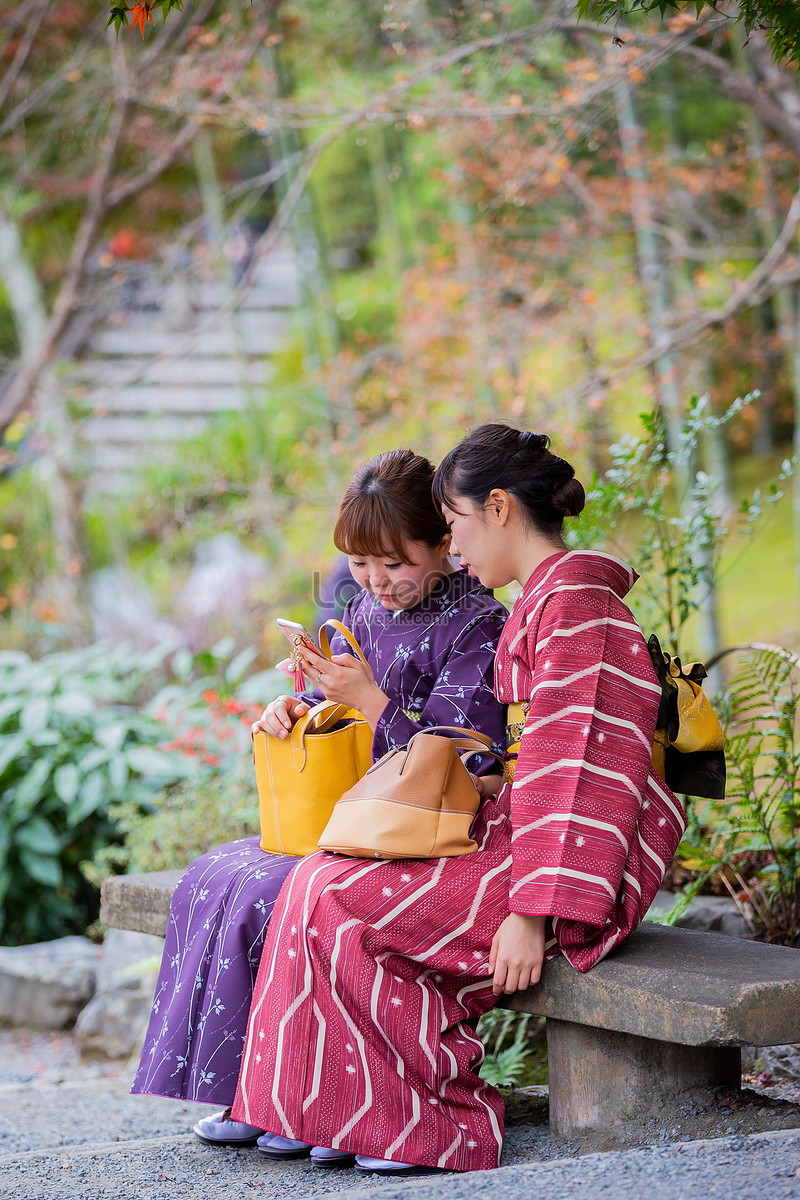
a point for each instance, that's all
(298, 635)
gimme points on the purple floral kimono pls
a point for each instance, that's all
(435, 662)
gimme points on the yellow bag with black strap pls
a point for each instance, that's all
(689, 743)
(300, 777)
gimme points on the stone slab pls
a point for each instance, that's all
(676, 985)
(140, 902)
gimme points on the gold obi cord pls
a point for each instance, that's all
(515, 723)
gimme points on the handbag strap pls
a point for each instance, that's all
(321, 717)
(325, 644)
(467, 739)
(488, 753)
(473, 743)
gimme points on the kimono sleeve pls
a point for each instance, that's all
(462, 694)
(584, 757)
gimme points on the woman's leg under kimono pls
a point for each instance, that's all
(217, 925)
(362, 1031)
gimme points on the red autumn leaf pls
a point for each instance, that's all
(139, 14)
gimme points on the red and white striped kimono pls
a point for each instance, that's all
(361, 1035)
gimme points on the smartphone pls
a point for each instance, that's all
(298, 634)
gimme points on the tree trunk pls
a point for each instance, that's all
(652, 270)
(55, 465)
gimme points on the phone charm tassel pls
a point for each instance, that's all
(299, 677)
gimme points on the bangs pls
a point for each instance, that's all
(368, 526)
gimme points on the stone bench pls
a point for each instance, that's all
(664, 1016)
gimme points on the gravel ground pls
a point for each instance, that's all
(69, 1131)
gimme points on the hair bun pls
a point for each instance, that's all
(534, 443)
(569, 498)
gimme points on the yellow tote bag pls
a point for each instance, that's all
(300, 778)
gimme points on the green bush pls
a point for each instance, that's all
(516, 1055)
(73, 740)
(750, 842)
(188, 819)
(88, 740)
(218, 803)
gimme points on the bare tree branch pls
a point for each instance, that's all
(30, 371)
(750, 291)
(737, 86)
(38, 8)
(131, 187)
(41, 95)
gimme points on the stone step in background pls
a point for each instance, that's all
(167, 357)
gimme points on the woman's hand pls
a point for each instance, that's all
(487, 785)
(279, 716)
(347, 680)
(517, 953)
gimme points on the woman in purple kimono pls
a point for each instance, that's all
(429, 633)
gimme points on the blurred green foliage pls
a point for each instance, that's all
(750, 842)
(83, 731)
(73, 740)
(187, 820)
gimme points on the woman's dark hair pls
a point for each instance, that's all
(497, 456)
(390, 502)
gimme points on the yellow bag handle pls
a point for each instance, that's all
(325, 644)
(319, 718)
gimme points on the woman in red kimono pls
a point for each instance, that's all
(361, 1036)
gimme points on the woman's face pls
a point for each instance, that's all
(398, 585)
(479, 542)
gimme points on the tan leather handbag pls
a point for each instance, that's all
(417, 802)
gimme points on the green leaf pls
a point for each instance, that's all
(35, 715)
(112, 736)
(75, 705)
(224, 648)
(9, 707)
(97, 756)
(46, 737)
(118, 774)
(182, 664)
(11, 748)
(5, 842)
(238, 665)
(43, 868)
(39, 836)
(93, 794)
(155, 764)
(66, 781)
(14, 658)
(31, 786)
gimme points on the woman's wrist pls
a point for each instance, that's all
(373, 709)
